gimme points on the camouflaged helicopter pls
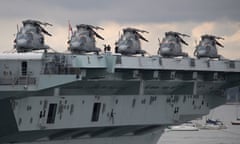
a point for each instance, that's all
(30, 37)
(207, 47)
(171, 45)
(129, 43)
(83, 40)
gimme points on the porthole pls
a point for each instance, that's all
(133, 103)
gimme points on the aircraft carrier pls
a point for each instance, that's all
(86, 96)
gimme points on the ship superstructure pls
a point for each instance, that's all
(61, 98)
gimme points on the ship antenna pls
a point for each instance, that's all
(196, 42)
(16, 35)
(70, 31)
(195, 51)
(17, 28)
(119, 34)
(159, 41)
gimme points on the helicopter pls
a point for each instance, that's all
(207, 47)
(30, 37)
(129, 42)
(83, 40)
(171, 44)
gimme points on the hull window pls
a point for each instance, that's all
(24, 68)
(51, 113)
(96, 112)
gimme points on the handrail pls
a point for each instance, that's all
(21, 80)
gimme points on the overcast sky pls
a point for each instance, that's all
(218, 17)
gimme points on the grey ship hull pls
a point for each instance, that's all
(107, 98)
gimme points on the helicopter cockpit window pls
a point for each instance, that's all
(41, 40)
(38, 30)
(28, 28)
(29, 36)
(136, 37)
(74, 38)
(20, 36)
(21, 30)
(74, 34)
(213, 43)
(83, 39)
(130, 43)
(201, 48)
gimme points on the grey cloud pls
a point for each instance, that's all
(132, 11)
(156, 10)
